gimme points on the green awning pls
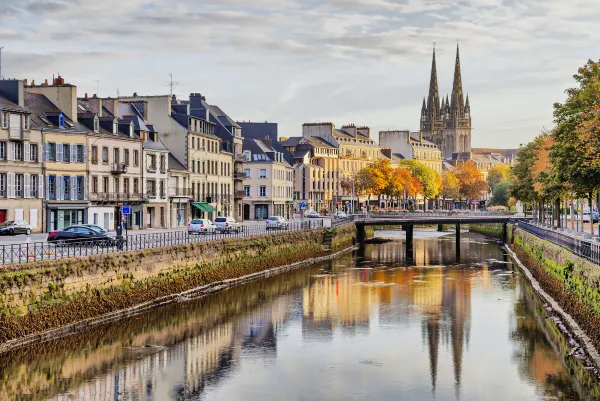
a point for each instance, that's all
(205, 207)
(290, 202)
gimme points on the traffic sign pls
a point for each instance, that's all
(126, 209)
(303, 205)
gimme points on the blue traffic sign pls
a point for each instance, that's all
(302, 205)
(126, 209)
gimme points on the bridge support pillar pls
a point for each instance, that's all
(457, 242)
(440, 227)
(409, 240)
(360, 234)
(504, 232)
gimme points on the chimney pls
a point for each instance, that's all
(95, 104)
(58, 81)
(33, 82)
(64, 96)
(45, 82)
(25, 82)
(86, 96)
(13, 90)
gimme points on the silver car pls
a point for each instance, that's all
(15, 227)
(227, 225)
(311, 214)
(201, 226)
(277, 223)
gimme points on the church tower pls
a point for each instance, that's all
(456, 117)
(431, 112)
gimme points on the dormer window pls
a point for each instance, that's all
(61, 120)
(26, 122)
(115, 127)
(96, 124)
(5, 120)
(131, 130)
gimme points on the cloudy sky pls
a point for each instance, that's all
(294, 61)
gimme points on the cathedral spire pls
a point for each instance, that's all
(433, 102)
(458, 104)
(467, 105)
(424, 107)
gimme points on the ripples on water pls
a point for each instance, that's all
(365, 326)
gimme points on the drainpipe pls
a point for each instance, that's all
(43, 177)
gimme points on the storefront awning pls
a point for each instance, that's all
(205, 207)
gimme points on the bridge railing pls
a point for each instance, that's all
(584, 248)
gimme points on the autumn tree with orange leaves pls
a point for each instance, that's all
(472, 184)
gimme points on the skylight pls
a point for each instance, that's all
(44, 119)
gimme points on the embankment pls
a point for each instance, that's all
(573, 282)
(488, 230)
(38, 298)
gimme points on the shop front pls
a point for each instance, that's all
(60, 216)
(203, 210)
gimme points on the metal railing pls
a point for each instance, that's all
(585, 248)
(119, 168)
(34, 251)
(115, 196)
(180, 192)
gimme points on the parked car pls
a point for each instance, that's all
(227, 224)
(78, 235)
(311, 214)
(277, 223)
(340, 215)
(201, 226)
(15, 227)
(95, 227)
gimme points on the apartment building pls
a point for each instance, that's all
(21, 147)
(268, 182)
(65, 152)
(180, 193)
(114, 165)
(412, 146)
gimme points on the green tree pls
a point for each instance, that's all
(500, 194)
(430, 180)
(498, 173)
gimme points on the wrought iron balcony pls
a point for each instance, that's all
(239, 175)
(115, 196)
(151, 168)
(238, 194)
(186, 192)
(118, 168)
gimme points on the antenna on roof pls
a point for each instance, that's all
(1, 62)
(97, 88)
(118, 93)
(171, 84)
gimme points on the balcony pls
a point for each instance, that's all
(118, 168)
(239, 194)
(184, 192)
(151, 168)
(151, 194)
(115, 197)
(240, 158)
(239, 175)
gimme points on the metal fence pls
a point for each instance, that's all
(584, 248)
(34, 251)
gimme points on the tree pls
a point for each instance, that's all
(402, 183)
(429, 179)
(450, 185)
(500, 194)
(471, 181)
(380, 175)
(498, 173)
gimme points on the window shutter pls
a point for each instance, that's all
(267, 191)
(26, 186)
(60, 183)
(41, 185)
(47, 150)
(85, 191)
(73, 157)
(59, 152)
(26, 151)
(73, 182)
(11, 185)
(47, 185)
(84, 154)
(11, 151)
(40, 155)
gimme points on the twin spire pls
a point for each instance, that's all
(457, 103)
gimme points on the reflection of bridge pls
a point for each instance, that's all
(408, 223)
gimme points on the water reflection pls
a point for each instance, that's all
(367, 327)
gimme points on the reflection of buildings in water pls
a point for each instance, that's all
(336, 301)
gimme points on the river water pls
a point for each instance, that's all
(366, 326)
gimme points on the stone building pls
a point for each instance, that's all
(447, 124)
(412, 146)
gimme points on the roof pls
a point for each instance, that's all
(7, 105)
(42, 108)
(175, 164)
(263, 151)
(293, 141)
(152, 145)
(319, 142)
(222, 116)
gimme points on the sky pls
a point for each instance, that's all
(294, 61)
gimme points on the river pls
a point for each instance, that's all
(365, 326)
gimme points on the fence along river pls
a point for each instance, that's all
(364, 326)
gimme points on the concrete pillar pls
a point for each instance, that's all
(409, 239)
(457, 242)
(440, 227)
(360, 233)
(504, 232)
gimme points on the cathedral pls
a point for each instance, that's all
(448, 124)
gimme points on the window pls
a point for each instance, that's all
(26, 122)
(126, 185)
(115, 127)
(262, 191)
(126, 157)
(66, 152)
(105, 155)
(116, 155)
(105, 184)
(162, 189)
(193, 166)
(163, 164)
(136, 185)
(19, 185)
(193, 142)
(18, 151)
(262, 173)
(5, 120)
(94, 184)
(96, 124)
(95, 154)
(33, 152)
(61, 121)
(136, 158)
(3, 184)
(247, 172)
(151, 185)
(80, 154)
(34, 183)
(247, 190)
(79, 184)
(116, 185)
(51, 187)
(66, 187)
(198, 166)
(3, 150)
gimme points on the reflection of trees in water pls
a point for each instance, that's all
(46, 369)
(535, 356)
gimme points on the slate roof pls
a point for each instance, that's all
(292, 141)
(7, 105)
(42, 107)
(263, 147)
(174, 164)
(222, 116)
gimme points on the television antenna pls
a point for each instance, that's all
(171, 84)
